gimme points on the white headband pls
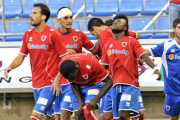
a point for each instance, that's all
(64, 12)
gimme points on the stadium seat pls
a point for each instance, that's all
(28, 6)
(140, 23)
(106, 8)
(54, 6)
(50, 23)
(75, 24)
(130, 7)
(152, 7)
(1, 30)
(20, 26)
(77, 4)
(163, 23)
(91, 37)
(12, 8)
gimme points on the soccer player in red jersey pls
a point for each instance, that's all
(45, 48)
(86, 75)
(73, 40)
(121, 54)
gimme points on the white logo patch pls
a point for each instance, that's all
(42, 101)
(141, 105)
(126, 97)
(51, 29)
(67, 99)
(88, 66)
(173, 51)
(127, 103)
(42, 108)
(30, 39)
(140, 99)
(93, 92)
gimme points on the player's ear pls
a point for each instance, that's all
(94, 28)
(43, 17)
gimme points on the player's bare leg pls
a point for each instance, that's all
(65, 115)
(36, 116)
(107, 115)
(124, 115)
(58, 116)
(79, 115)
(174, 117)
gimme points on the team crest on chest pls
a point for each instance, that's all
(75, 38)
(85, 76)
(124, 44)
(43, 37)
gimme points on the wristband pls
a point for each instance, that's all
(155, 68)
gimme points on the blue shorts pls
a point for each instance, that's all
(44, 99)
(106, 103)
(125, 97)
(172, 105)
(63, 101)
(87, 94)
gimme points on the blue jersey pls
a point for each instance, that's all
(169, 51)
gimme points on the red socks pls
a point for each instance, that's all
(33, 117)
(89, 114)
(142, 118)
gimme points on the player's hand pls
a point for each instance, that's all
(71, 51)
(6, 71)
(80, 106)
(157, 72)
(56, 87)
(91, 105)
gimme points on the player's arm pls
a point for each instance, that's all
(150, 63)
(96, 49)
(108, 84)
(16, 62)
(138, 35)
(147, 51)
(105, 66)
(76, 90)
(140, 61)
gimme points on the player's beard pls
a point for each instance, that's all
(115, 31)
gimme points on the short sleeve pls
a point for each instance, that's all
(56, 39)
(98, 70)
(137, 48)
(158, 50)
(86, 43)
(24, 47)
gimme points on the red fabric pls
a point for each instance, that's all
(175, 1)
(44, 49)
(34, 117)
(142, 118)
(122, 56)
(75, 40)
(110, 119)
(89, 114)
(91, 71)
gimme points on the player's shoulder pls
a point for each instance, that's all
(76, 31)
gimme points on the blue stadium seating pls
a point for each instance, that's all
(50, 23)
(91, 37)
(20, 26)
(12, 8)
(28, 6)
(106, 8)
(152, 7)
(1, 30)
(140, 23)
(130, 7)
(77, 4)
(163, 23)
(54, 6)
(75, 24)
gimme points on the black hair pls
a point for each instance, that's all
(44, 10)
(108, 22)
(62, 8)
(176, 22)
(67, 67)
(94, 22)
(122, 16)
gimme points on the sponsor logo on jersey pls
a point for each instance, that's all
(85, 76)
(67, 99)
(42, 101)
(30, 38)
(127, 103)
(111, 45)
(43, 37)
(75, 38)
(140, 99)
(116, 51)
(109, 52)
(72, 46)
(32, 46)
(124, 44)
(42, 108)
(51, 29)
(126, 97)
(167, 107)
(93, 92)
(171, 56)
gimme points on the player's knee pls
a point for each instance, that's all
(107, 115)
(174, 117)
(79, 116)
(65, 115)
(141, 114)
(124, 115)
(37, 115)
(58, 116)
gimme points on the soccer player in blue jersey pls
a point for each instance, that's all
(169, 51)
